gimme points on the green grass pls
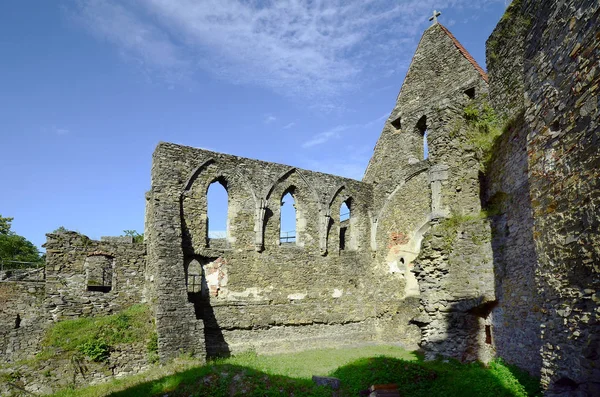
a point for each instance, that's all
(290, 374)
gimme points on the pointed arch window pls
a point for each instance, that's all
(345, 215)
(217, 220)
(287, 219)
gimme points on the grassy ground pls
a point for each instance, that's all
(290, 374)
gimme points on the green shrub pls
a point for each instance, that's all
(95, 349)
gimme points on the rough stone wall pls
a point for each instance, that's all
(257, 292)
(562, 76)
(176, 324)
(455, 275)
(505, 57)
(22, 319)
(517, 318)
(48, 376)
(72, 267)
(72, 262)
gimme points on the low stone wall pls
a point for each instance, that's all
(48, 376)
(85, 277)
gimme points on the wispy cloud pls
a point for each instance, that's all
(289, 125)
(336, 131)
(269, 118)
(325, 136)
(294, 47)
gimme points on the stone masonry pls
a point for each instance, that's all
(457, 252)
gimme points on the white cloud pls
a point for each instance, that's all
(289, 125)
(270, 118)
(295, 47)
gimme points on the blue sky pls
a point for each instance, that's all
(88, 88)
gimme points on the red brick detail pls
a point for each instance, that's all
(398, 239)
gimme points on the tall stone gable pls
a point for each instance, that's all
(441, 76)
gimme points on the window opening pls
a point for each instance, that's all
(344, 224)
(99, 273)
(344, 212)
(217, 202)
(422, 128)
(470, 93)
(488, 334)
(287, 223)
(194, 277)
(396, 123)
(425, 146)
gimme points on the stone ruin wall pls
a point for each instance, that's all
(516, 320)
(21, 319)
(522, 281)
(562, 79)
(260, 294)
(71, 288)
(541, 189)
(453, 273)
(64, 294)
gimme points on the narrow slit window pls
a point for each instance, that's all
(287, 230)
(217, 212)
(345, 224)
(422, 133)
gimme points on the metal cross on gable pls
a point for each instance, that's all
(434, 17)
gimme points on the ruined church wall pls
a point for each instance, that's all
(450, 267)
(562, 77)
(432, 95)
(257, 292)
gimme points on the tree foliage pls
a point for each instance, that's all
(60, 230)
(137, 237)
(14, 247)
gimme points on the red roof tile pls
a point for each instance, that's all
(465, 53)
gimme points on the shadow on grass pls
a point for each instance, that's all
(433, 378)
(430, 378)
(224, 380)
